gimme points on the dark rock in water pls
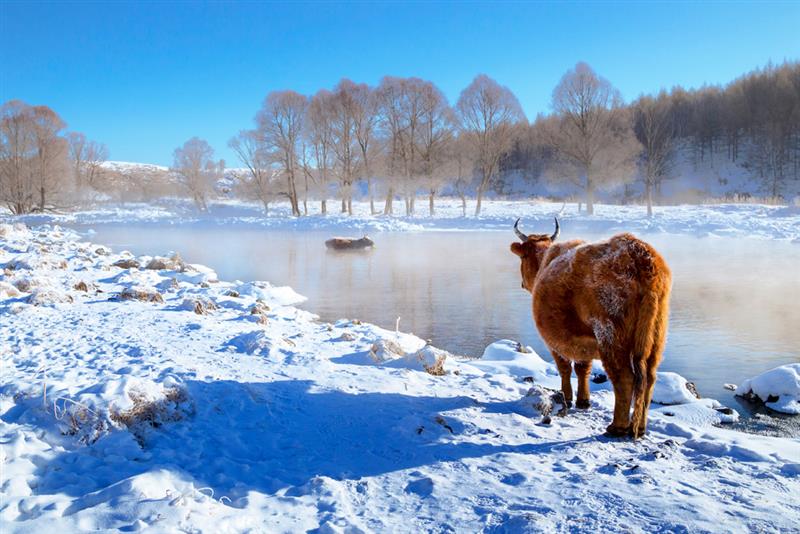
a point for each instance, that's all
(725, 410)
(599, 378)
(528, 379)
(693, 389)
(349, 243)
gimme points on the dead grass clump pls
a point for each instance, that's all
(46, 297)
(85, 424)
(149, 413)
(260, 308)
(435, 369)
(385, 350)
(173, 263)
(81, 286)
(8, 290)
(23, 284)
(142, 294)
(127, 263)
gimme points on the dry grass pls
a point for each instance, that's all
(173, 263)
(147, 413)
(81, 286)
(127, 263)
(144, 295)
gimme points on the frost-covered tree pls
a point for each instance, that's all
(196, 170)
(487, 113)
(257, 181)
(655, 130)
(17, 153)
(592, 132)
(280, 127)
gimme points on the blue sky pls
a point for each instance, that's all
(144, 77)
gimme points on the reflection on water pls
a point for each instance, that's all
(734, 310)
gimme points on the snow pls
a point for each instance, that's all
(127, 414)
(778, 388)
(722, 220)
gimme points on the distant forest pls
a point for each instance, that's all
(402, 140)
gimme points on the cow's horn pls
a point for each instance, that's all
(517, 231)
(558, 231)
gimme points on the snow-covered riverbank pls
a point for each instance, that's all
(726, 220)
(144, 392)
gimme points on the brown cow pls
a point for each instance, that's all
(607, 300)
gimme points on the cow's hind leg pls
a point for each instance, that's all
(621, 376)
(583, 369)
(565, 370)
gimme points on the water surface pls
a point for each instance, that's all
(735, 303)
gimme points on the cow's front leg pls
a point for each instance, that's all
(583, 369)
(565, 370)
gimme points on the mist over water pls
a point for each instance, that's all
(735, 306)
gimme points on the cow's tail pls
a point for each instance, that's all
(649, 339)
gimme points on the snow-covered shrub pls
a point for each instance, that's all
(87, 425)
(256, 342)
(431, 359)
(46, 296)
(778, 389)
(151, 406)
(144, 294)
(384, 350)
(199, 305)
(173, 263)
(127, 263)
(8, 291)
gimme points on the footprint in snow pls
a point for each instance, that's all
(422, 487)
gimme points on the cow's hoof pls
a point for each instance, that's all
(617, 431)
(583, 404)
(639, 434)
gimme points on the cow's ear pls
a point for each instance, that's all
(516, 248)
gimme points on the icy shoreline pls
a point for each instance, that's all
(721, 220)
(137, 397)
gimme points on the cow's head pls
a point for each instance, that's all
(531, 250)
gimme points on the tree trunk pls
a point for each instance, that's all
(649, 195)
(371, 196)
(349, 205)
(430, 204)
(589, 196)
(344, 204)
(463, 205)
(478, 203)
(387, 208)
(324, 207)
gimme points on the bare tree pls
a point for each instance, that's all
(196, 169)
(17, 153)
(280, 127)
(345, 143)
(435, 136)
(462, 168)
(366, 119)
(319, 132)
(77, 153)
(655, 130)
(487, 112)
(593, 132)
(257, 181)
(50, 161)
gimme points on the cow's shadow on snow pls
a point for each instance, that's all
(268, 436)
